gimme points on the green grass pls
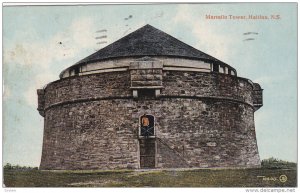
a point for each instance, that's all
(152, 178)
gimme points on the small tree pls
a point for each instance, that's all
(273, 163)
(8, 166)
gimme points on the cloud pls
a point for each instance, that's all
(208, 36)
(182, 14)
(63, 45)
(214, 43)
(30, 94)
(42, 56)
(33, 55)
(82, 33)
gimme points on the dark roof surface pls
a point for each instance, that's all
(147, 41)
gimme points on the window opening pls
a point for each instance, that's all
(147, 125)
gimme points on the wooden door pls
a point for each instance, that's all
(147, 153)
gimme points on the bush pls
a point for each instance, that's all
(8, 166)
(273, 163)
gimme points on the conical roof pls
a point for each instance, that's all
(147, 41)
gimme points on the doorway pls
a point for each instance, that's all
(147, 152)
(147, 141)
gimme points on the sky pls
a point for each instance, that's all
(41, 41)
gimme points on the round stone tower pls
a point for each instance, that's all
(149, 100)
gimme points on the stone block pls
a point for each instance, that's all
(211, 144)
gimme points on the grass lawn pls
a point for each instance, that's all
(153, 178)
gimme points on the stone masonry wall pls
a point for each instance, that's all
(104, 134)
(197, 123)
(89, 135)
(209, 133)
(180, 83)
(88, 86)
(175, 83)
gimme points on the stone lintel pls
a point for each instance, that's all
(145, 87)
(146, 83)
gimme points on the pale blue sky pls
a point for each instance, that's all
(32, 57)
